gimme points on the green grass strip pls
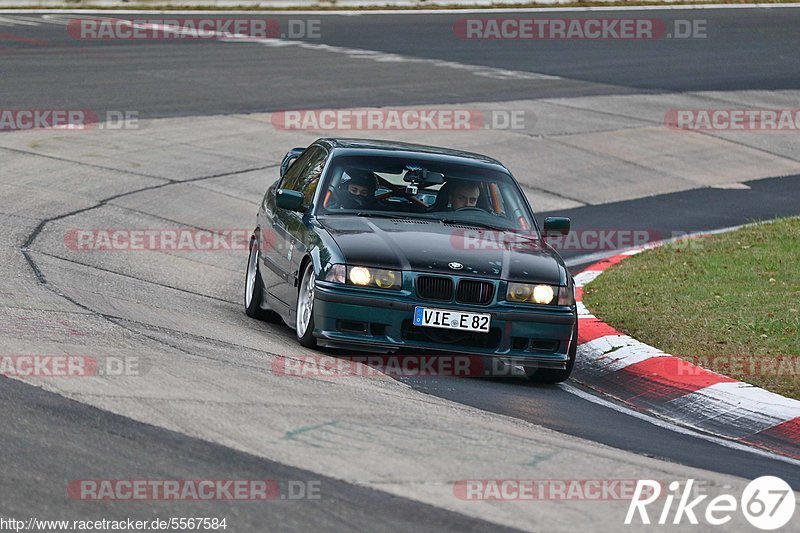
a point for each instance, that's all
(727, 302)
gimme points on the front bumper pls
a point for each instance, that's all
(352, 319)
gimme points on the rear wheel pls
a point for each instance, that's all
(552, 375)
(304, 323)
(254, 288)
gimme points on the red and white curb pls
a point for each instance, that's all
(676, 390)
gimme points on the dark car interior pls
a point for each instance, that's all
(411, 189)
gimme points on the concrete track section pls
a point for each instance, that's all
(208, 372)
(54, 440)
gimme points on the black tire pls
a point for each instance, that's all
(306, 339)
(552, 375)
(254, 309)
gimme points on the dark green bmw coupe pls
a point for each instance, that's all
(382, 246)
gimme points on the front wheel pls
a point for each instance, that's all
(304, 324)
(552, 375)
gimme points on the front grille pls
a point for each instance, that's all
(435, 288)
(471, 291)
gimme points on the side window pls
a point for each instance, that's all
(304, 174)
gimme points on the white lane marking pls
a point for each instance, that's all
(58, 19)
(387, 57)
(358, 53)
(741, 407)
(356, 12)
(677, 429)
(614, 352)
(583, 312)
(734, 186)
(590, 258)
(16, 21)
(586, 277)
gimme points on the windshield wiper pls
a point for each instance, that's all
(377, 215)
(471, 223)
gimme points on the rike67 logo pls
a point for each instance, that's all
(767, 502)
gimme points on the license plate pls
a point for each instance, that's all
(443, 318)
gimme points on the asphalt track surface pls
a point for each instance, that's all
(743, 50)
(691, 211)
(753, 50)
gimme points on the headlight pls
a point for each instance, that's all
(535, 294)
(365, 276)
(519, 292)
(359, 275)
(543, 294)
(387, 279)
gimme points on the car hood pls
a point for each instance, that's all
(430, 246)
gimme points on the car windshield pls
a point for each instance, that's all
(417, 187)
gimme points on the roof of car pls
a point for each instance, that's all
(370, 145)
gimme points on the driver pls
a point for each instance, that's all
(356, 190)
(464, 194)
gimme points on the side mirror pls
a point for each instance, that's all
(290, 157)
(556, 225)
(291, 200)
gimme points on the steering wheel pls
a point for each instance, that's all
(471, 208)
